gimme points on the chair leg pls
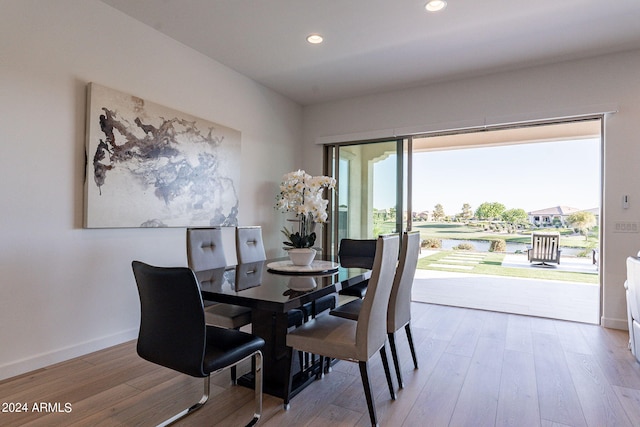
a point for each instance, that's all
(192, 408)
(320, 373)
(233, 370)
(394, 354)
(257, 386)
(387, 371)
(364, 373)
(407, 328)
(289, 382)
(234, 375)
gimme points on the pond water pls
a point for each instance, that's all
(483, 246)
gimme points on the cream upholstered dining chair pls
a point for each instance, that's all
(399, 311)
(344, 339)
(250, 248)
(205, 251)
(249, 245)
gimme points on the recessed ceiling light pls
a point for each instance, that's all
(435, 5)
(314, 38)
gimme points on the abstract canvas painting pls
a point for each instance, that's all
(151, 166)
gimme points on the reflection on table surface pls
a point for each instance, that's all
(254, 285)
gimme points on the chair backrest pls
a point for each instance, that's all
(545, 246)
(633, 285)
(371, 331)
(204, 248)
(357, 253)
(249, 245)
(399, 313)
(211, 280)
(172, 325)
(249, 275)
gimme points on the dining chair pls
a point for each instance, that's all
(205, 251)
(249, 244)
(356, 253)
(359, 341)
(399, 311)
(173, 332)
(205, 255)
(250, 248)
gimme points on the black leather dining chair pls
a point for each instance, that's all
(357, 253)
(173, 332)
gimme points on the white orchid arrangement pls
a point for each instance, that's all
(301, 194)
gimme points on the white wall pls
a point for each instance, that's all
(547, 91)
(65, 290)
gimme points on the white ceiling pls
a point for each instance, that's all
(381, 45)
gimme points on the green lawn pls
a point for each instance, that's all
(491, 264)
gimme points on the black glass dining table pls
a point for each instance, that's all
(270, 289)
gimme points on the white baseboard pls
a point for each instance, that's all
(621, 324)
(42, 360)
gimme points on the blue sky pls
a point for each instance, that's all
(528, 176)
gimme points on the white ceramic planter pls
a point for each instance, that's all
(302, 256)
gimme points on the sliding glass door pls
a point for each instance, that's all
(371, 197)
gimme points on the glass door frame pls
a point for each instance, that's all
(403, 187)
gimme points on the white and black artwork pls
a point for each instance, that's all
(151, 166)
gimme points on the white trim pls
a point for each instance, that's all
(563, 114)
(49, 358)
(440, 127)
(621, 324)
(356, 136)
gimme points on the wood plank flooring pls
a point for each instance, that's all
(477, 368)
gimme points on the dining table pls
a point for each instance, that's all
(272, 288)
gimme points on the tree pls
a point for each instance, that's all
(489, 210)
(467, 213)
(515, 216)
(438, 212)
(583, 221)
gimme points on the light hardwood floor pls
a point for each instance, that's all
(477, 368)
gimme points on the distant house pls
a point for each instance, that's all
(423, 216)
(556, 214)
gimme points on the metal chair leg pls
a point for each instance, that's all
(192, 408)
(257, 388)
